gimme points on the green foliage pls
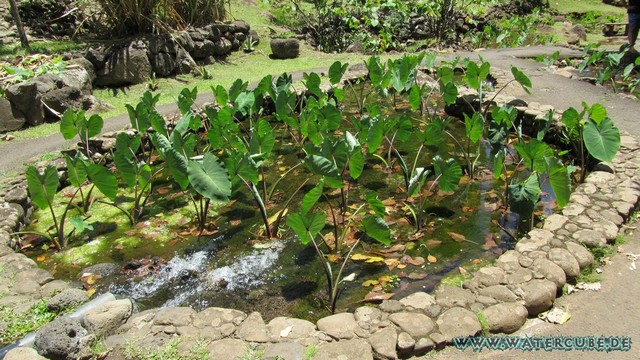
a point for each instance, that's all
(168, 351)
(16, 325)
(512, 31)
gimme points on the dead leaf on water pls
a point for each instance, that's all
(431, 243)
(373, 296)
(457, 237)
(431, 259)
(417, 275)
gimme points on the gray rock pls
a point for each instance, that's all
(406, 343)
(217, 317)
(221, 47)
(520, 276)
(538, 238)
(590, 238)
(228, 348)
(573, 209)
(566, 261)
(241, 26)
(23, 353)
(290, 328)
(498, 292)
(580, 31)
(67, 299)
(538, 295)
(54, 287)
(339, 326)
(433, 311)
(451, 296)
(253, 329)
(423, 345)
(418, 300)
(25, 97)
(456, 322)
(551, 271)
(582, 255)
(368, 315)
(383, 343)
(356, 349)
(18, 195)
(416, 325)
(555, 222)
(284, 351)
(10, 120)
(505, 317)
(509, 261)
(127, 66)
(601, 178)
(285, 48)
(391, 306)
(103, 269)
(490, 276)
(61, 339)
(104, 319)
(176, 316)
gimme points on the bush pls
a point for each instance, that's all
(150, 16)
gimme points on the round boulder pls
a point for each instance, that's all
(285, 48)
(505, 317)
(61, 339)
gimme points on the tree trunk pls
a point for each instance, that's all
(16, 16)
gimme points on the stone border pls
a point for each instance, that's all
(522, 283)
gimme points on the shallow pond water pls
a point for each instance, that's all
(162, 262)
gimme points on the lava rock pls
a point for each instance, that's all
(285, 48)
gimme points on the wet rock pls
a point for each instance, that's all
(456, 322)
(505, 317)
(590, 238)
(538, 295)
(176, 316)
(339, 326)
(284, 351)
(498, 292)
(582, 255)
(465, 105)
(253, 329)
(551, 272)
(104, 269)
(104, 319)
(67, 299)
(418, 301)
(228, 348)
(451, 296)
(566, 261)
(416, 325)
(356, 349)
(290, 328)
(61, 339)
(383, 343)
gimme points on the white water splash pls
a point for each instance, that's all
(186, 278)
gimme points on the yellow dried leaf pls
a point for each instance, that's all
(90, 292)
(370, 283)
(431, 259)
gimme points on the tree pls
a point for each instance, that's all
(16, 16)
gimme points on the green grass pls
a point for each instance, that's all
(583, 6)
(309, 352)
(40, 47)
(168, 351)
(18, 325)
(37, 132)
(484, 323)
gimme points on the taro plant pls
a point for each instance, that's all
(591, 133)
(44, 186)
(448, 174)
(74, 123)
(308, 226)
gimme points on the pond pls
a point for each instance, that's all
(165, 260)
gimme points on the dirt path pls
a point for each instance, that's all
(612, 311)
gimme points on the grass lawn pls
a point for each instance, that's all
(583, 6)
